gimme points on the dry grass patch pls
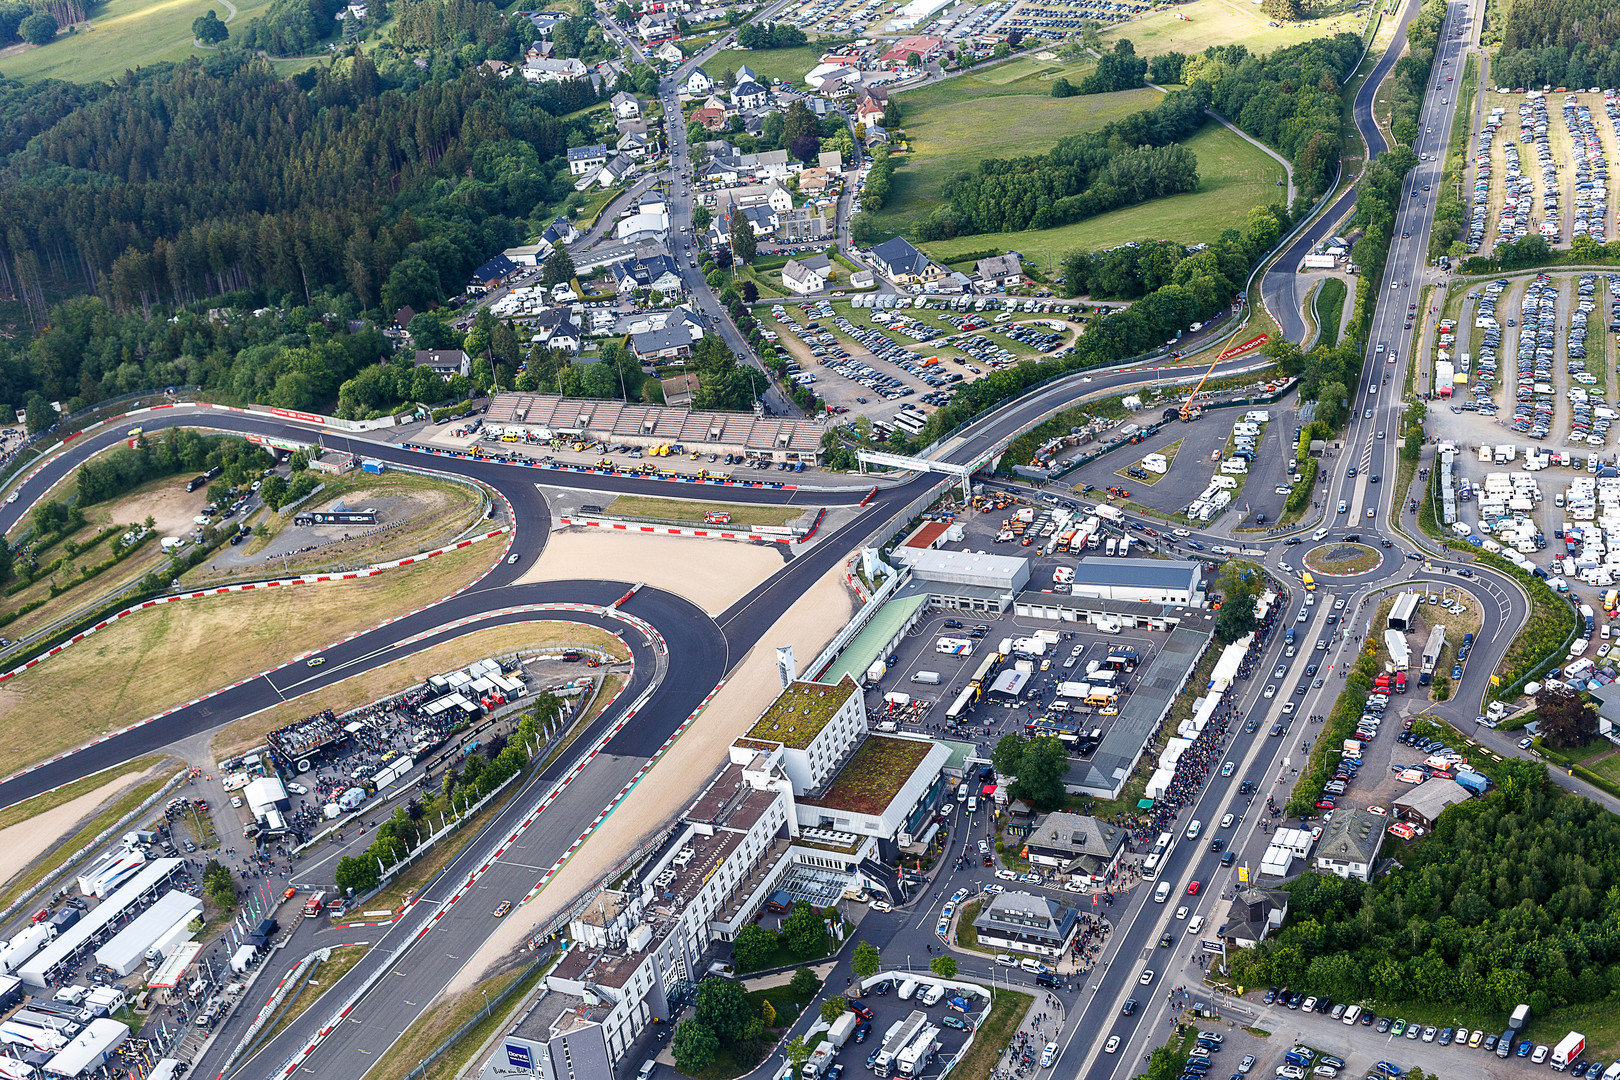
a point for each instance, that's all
(441, 1021)
(174, 652)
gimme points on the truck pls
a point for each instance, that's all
(912, 1060)
(931, 678)
(819, 1063)
(1400, 682)
(312, 906)
(1472, 781)
(897, 1038)
(1568, 1049)
(1520, 1017)
(841, 1030)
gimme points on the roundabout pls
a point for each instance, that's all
(1343, 559)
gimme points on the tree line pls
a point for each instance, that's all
(770, 36)
(1508, 901)
(1289, 99)
(1561, 42)
(1129, 161)
(178, 450)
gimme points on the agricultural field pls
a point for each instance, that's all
(123, 35)
(786, 64)
(1234, 177)
(1193, 27)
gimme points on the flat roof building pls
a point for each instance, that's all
(815, 725)
(772, 438)
(162, 924)
(1006, 573)
(1146, 581)
(1424, 804)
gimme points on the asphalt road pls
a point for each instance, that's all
(1281, 284)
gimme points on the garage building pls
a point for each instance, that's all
(963, 580)
(1146, 581)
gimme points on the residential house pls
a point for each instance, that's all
(669, 53)
(746, 74)
(1026, 923)
(543, 21)
(555, 329)
(657, 27)
(772, 164)
(493, 272)
(498, 67)
(632, 143)
(667, 344)
(543, 70)
(1254, 914)
(712, 119)
(748, 94)
(999, 271)
(774, 195)
(762, 218)
(831, 160)
(804, 276)
(1080, 850)
(625, 106)
(560, 231)
(358, 10)
(540, 50)
(869, 111)
(403, 317)
(617, 167)
(876, 136)
(644, 224)
(658, 273)
(903, 263)
(586, 160)
(697, 84)
(1349, 844)
(446, 362)
(813, 182)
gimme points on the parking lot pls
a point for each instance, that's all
(1437, 1048)
(1265, 486)
(1536, 155)
(1055, 19)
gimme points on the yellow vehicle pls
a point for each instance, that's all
(1310, 582)
(695, 455)
(509, 437)
(134, 431)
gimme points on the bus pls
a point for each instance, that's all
(1310, 582)
(986, 668)
(964, 704)
(1156, 858)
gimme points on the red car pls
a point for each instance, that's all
(1192, 889)
(1325, 804)
(861, 1011)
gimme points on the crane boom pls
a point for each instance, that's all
(1188, 412)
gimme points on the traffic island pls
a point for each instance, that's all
(1343, 559)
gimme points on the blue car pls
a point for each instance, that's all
(1389, 1069)
(1524, 1049)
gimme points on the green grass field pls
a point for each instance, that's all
(952, 128)
(1227, 22)
(1234, 177)
(773, 64)
(123, 35)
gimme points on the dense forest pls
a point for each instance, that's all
(1559, 43)
(1510, 900)
(1129, 161)
(217, 181)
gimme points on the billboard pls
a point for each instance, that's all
(291, 445)
(336, 517)
(519, 1056)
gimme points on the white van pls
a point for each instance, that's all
(972, 803)
(907, 988)
(1162, 893)
(1196, 924)
(648, 1067)
(1352, 1014)
(932, 994)
(1194, 829)
(1032, 965)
